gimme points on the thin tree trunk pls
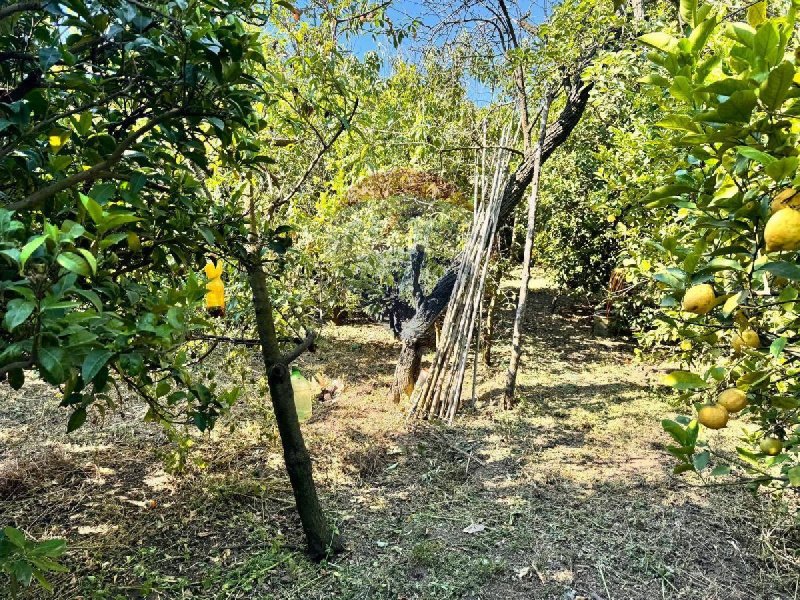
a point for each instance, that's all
(320, 537)
(638, 10)
(516, 346)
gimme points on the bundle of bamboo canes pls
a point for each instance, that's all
(439, 395)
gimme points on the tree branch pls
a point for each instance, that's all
(325, 147)
(298, 350)
(39, 196)
(22, 364)
(19, 7)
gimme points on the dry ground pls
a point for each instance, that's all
(572, 491)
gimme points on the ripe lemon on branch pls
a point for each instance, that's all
(699, 299)
(732, 399)
(713, 416)
(782, 232)
(746, 339)
(771, 445)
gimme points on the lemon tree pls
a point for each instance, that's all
(731, 109)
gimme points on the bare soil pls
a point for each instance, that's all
(569, 496)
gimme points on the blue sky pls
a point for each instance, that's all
(404, 11)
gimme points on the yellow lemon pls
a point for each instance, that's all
(782, 231)
(732, 399)
(699, 299)
(134, 243)
(747, 339)
(741, 319)
(771, 446)
(713, 416)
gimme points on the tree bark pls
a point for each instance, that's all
(436, 303)
(638, 10)
(320, 537)
(407, 370)
(516, 337)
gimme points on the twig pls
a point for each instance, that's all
(449, 444)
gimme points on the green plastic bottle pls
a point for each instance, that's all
(303, 394)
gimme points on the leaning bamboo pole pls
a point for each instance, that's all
(440, 393)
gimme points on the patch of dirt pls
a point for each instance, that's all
(568, 496)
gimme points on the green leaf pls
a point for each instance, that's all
(766, 42)
(756, 155)
(103, 192)
(757, 13)
(660, 41)
(700, 35)
(720, 470)
(74, 263)
(162, 389)
(777, 346)
(48, 57)
(46, 585)
(84, 124)
(717, 373)
(700, 460)
(23, 572)
(115, 220)
(76, 419)
(51, 363)
(743, 33)
(681, 89)
(15, 536)
(16, 379)
(688, 8)
(683, 380)
(737, 108)
(94, 361)
(782, 269)
(29, 248)
(675, 430)
(90, 259)
(783, 168)
(785, 402)
(93, 208)
(692, 429)
(17, 312)
(679, 123)
(732, 302)
(776, 88)
(92, 297)
(794, 476)
(50, 548)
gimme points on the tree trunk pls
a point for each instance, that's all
(435, 304)
(320, 537)
(516, 338)
(638, 10)
(407, 370)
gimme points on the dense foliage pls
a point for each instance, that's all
(105, 135)
(139, 140)
(731, 107)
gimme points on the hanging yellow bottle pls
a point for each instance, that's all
(215, 296)
(303, 394)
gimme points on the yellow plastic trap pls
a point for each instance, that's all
(215, 296)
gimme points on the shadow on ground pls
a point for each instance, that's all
(569, 496)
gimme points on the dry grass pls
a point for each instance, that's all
(573, 489)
